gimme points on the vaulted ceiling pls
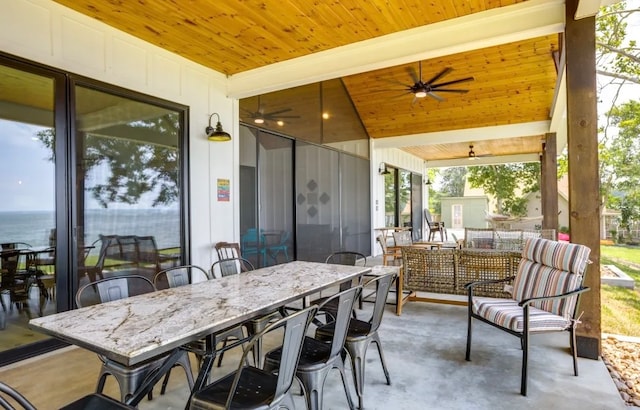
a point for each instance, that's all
(508, 47)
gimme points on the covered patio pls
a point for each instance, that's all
(154, 51)
(424, 350)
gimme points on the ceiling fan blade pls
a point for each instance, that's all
(439, 75)
(279, 117)
(413, 74)
(435, 96)
(272, 113)
(447, 90)
(462, 80)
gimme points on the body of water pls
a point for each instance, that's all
(34, 227)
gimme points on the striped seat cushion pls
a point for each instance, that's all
(507, 313)
(550, 268)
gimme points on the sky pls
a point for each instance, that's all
(27, 182)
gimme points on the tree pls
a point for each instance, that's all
(621, 157)
(453, 181)
(618, 56)
(618, 66)
(508, 184)
(135, 167)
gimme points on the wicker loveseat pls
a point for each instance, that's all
(448, 270)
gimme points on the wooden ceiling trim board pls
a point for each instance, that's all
(465, 135)
(520, 21)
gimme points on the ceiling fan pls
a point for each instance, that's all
(421, 89)
(260, 116)
(472, 154)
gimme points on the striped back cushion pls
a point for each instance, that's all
(550, 268)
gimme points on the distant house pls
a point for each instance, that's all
(464, 211)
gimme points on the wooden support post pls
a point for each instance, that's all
(549, 183)
(584, 196)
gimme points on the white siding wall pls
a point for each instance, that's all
(48, 33)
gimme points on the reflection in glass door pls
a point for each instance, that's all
(27, 204)
(128, 186)
(403, 200)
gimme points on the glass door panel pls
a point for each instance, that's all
(128, 218)
(390, 198)
(404, 198)
(27, 204)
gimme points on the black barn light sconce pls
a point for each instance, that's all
(216, 134)
(382, 169)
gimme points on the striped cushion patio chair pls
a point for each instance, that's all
(545, 293)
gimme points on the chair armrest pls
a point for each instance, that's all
(561, 296)
(471, 285)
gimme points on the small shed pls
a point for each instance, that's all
(464, 211)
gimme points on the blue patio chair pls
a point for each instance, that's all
(253, 244)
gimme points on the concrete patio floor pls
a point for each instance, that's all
(424, 349)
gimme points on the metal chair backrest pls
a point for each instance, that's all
(227, 250)
(179, 276)
(383, 284)
(113, 288)
(347, 258)
(295, 327)
(346, 299)
(9, 391)
(231, 266)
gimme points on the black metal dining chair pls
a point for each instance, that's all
(318, 357)
(94, 401)
(361, 333)
(233, 266)
(251, 387)
(129, 378)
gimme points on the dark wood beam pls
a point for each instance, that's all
(582, 142)
(549, 183)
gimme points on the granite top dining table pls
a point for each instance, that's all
(141, 327)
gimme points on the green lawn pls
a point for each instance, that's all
(620, 306)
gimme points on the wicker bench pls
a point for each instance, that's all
(446, 271)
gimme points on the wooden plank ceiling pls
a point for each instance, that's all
(513, 82)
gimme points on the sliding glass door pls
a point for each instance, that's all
(266, 197)
(92, 185)
(304, 211)
(403, 200)
(27, 200)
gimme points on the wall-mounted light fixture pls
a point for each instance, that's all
(382, 169)
(428, 181)
(217, 134)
